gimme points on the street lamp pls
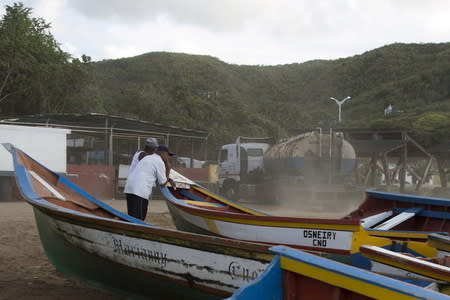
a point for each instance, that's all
(339, 103)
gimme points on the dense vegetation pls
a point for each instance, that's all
(230, 100)
(202, 92)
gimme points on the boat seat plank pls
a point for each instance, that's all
(48, 186)
(406, 215)
(375, 219)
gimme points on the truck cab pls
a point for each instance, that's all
(241, 163)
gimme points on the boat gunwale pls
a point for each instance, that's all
(396, 259)
(408, 198)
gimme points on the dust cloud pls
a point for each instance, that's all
(306, 200)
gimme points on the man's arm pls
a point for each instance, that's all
(165, 159)
(161, 172)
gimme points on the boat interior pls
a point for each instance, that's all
(50, 187)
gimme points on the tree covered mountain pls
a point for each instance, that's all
(228, 100)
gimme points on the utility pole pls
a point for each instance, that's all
(339, 103)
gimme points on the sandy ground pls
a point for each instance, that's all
(25, 272)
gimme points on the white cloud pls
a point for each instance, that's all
(217, 15)
(242, 32)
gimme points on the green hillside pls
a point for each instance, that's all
(205, 93)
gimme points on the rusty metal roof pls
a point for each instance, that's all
(97, 121)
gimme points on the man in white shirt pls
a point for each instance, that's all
(148, 171)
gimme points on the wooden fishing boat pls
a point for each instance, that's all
(395, 221)
(87, 239)
(294, 274)
(431, 272)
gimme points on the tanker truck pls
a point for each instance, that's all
(258, 169)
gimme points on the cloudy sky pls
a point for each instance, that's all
(254, 32)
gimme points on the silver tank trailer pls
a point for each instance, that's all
(311, 155)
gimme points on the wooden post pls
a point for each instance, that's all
(106, 144)
(387, 175)
(111, 150)
(206, 148)
(442, 174)
(356, 172)
(373, 162)
(403, 157)
(366, 178)
(425, 174)
(373, 167)
(330, 165)
(192, 152)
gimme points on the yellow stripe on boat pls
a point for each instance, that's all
(232, 204)
(342, 281)
(200, 203)
(399, 234)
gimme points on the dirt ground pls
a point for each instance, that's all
(25, 272)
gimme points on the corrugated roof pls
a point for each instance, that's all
(99, 121)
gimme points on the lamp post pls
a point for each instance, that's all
(339, 103)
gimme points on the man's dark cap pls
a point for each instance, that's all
(165, 149)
